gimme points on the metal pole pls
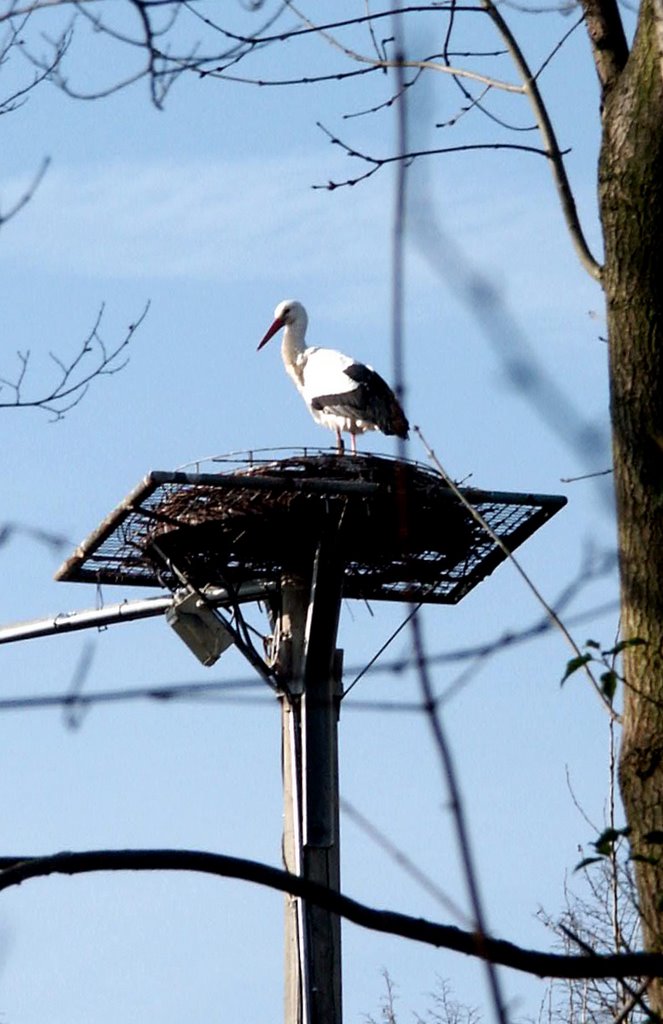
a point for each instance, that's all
(125, 611)
(69, 622)
(320, 710)
(307, 661)
(290, 664)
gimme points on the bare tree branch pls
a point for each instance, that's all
(13, 41)
(16, 870)
(529, 87)
(547, 132)
(459, 818)
(55, 542)
(74, 378)
(162, 67)
(427, 64)
(378, 162)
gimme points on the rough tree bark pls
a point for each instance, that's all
(631, 200)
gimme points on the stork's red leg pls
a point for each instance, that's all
(353, 443)
(339, 442)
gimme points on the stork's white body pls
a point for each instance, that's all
(342, 394)
(321, 371)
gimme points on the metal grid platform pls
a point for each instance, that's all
(401, 533)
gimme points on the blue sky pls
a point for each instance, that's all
(206, 210)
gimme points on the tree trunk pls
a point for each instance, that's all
(631, 198)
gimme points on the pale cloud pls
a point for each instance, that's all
(259, 220)
(198, 219)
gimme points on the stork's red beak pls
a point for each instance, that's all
(276, 326)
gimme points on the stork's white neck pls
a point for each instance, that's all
(293, 342)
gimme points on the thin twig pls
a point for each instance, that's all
(457, 810)
(73, 380)
(432, 712)
(408, 157)
(585, 476)
(28, 194)
(401, 61)
(476, 515)
(404, 862)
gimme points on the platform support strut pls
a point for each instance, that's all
(310, 668)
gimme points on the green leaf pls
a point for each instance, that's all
(574, 664)
(586, 862)
(655, 836)
(609, 684)
(593, 643)
(641, 858)
(607, 839)
(634, 641)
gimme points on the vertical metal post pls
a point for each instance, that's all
(308, 629)
(290, 662)
(320, 708)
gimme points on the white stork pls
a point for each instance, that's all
(340, 393)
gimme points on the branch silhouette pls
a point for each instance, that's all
(73, 377)
(16, 870)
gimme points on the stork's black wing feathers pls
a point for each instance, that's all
(372, 401)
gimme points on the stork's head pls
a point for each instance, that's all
(287, 313)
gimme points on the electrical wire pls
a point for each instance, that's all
(221, 691)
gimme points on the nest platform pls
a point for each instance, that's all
(399, 531)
